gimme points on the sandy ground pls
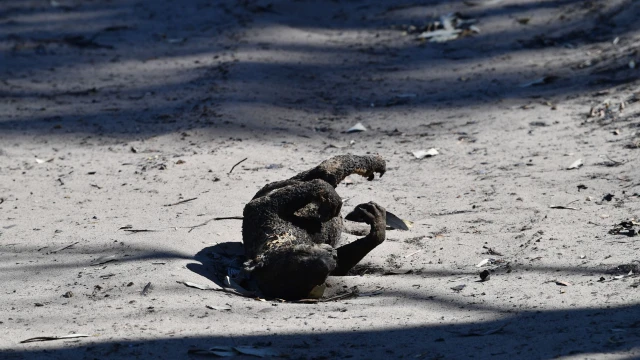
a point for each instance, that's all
(112, 110)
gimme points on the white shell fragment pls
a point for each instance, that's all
(425, 153)
(483, 263)
(356, 128)
(576, 164)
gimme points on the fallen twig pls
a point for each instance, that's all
(139, 230)
(614, 161)
(333, 298)
(63, 248)
(563, 207)
(413, 253)
(181, 202)
(238, 163)
(49, 338)
(491, 251)
(214, 219)
(217, 288)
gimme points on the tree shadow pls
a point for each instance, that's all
(218, 260)
(525, 335)
(133, 69)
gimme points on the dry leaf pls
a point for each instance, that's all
(198, 286)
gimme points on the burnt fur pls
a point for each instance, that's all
(291, 227)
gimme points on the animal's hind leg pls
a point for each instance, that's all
(350, 254)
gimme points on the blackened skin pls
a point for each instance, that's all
(291, 227)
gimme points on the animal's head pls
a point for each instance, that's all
(291, 272)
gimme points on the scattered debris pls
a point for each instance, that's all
(633, 268)
(356, 128)
(625, 228)
(219, 308)
(458, 288)
(608, 197)
(576, 164)
(49, 338)
(67, 295)
(491, 251)
(420, 154)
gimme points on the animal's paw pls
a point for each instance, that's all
(374, 215)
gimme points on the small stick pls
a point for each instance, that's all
(238, 163)
(214, 219)
(413, 253)
(63, 248)
(139, 230)
(340, 297)
(181, 202)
